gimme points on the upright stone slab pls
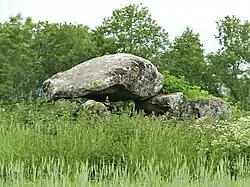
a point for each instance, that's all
(211, 106)
(170, 104)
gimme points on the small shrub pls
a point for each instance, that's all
(193, 92)
(175, 84)
(224, 139)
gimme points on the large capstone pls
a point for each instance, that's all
(115, 77)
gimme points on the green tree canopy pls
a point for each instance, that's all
(31, 52)
(131, 29)
(19, 63)
(226, 64)
(186, 57)
(61, 46)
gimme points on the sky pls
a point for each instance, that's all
(172, 15)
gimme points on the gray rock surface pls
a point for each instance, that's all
(170, 104)
(215, 107)
(119, 76)
(94, 107)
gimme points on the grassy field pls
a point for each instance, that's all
(111, 175)
(53, 144)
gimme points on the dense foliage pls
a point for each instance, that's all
(31, 52)
(186, 57)
(131, 29)
(174, 84)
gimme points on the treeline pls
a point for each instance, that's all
(31, 52)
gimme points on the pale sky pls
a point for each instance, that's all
(173, 15)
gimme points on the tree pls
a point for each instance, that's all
(31, 52)
(186, 57)
(212, 76)
(18, 60)
(61, 46)
(131, 29)
(234, 53)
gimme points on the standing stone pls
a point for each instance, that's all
(210, 106)
(170, 104)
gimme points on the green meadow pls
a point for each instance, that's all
(54, 144)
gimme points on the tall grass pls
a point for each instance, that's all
(148, 174)
(55, 144)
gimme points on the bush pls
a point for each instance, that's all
(193, 92)
(174, 84)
